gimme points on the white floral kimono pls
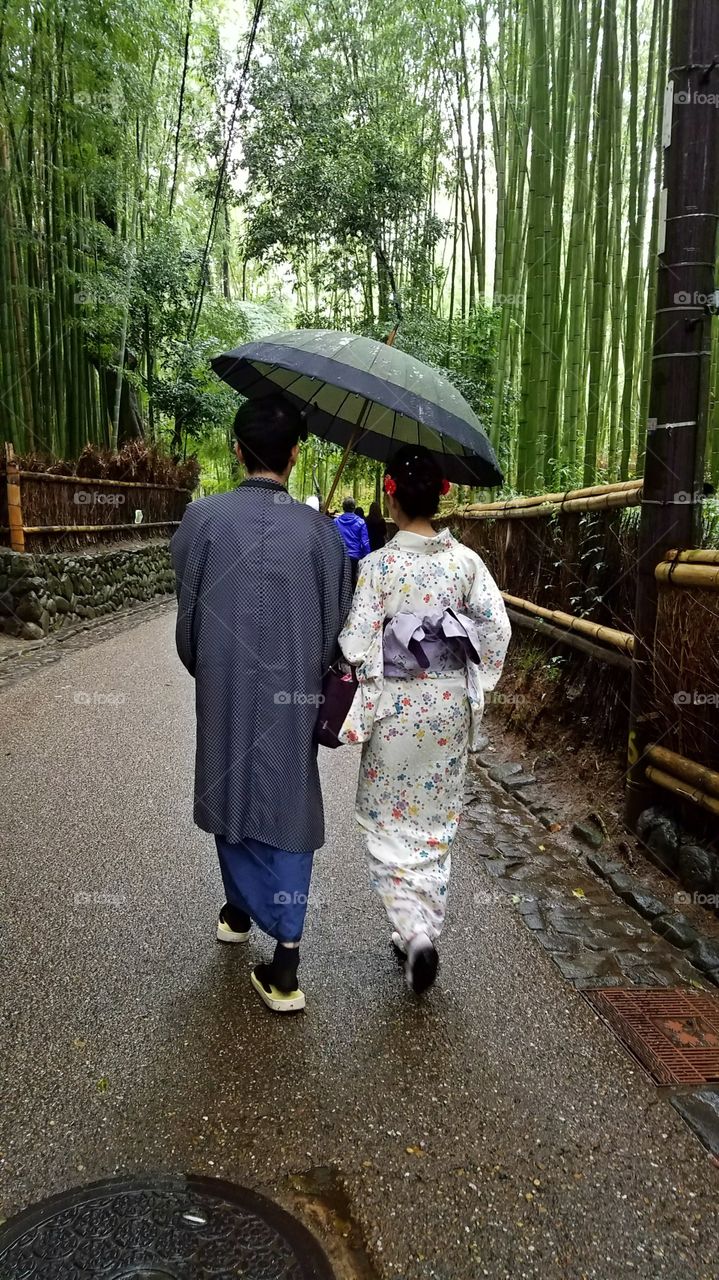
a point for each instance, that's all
(417, 728)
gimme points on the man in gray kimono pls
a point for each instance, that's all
(263, 585)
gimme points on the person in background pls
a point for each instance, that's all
(263, 585)
(354, 535)
(313, 502)
(359, 511)
(376, 527)
(427, 632)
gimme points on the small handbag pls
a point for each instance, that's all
(338, 691)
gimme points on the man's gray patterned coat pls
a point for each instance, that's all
(263, 586)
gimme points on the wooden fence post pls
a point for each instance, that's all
(14, 501)
(674, 463)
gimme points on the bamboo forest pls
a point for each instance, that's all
(483, 173)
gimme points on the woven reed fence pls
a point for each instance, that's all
(566, 564)
(40, 509)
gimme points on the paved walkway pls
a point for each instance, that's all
(495, 1129)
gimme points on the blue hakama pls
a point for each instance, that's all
(270, 885)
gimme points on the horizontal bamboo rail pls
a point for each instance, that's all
(556, 499)
(704, 576)
(698, 556)
(683, 789)
(704, 779)
(603, 502)
(613, 657)
(96, 528)
(89, 482)
(622, 640)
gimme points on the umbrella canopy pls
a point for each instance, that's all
(359, 392)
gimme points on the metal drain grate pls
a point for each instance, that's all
(674, 1034)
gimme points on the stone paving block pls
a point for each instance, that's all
(704, 955)
(676, 929)
(520, 782)
(700, 1110)
(559, 944)
(602, 866)
(590, 834)
(502, 772)
(648, 906)
(586, 964)
(621, 882)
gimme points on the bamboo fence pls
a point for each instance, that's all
(622, 640)
(677, 573)
(36, 505)
(626, 493)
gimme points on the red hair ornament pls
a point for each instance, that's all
(390, 485)
(444, 488)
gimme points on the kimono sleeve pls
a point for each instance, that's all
(485, 607)
(188, 549)
(337, 596)
(359, 634)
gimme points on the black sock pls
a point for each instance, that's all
(284, 967)
(238, 920)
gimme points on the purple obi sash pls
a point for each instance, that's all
(438, 642)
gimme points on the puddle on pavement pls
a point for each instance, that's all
(319, 1200)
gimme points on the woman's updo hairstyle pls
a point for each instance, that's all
(418, 481)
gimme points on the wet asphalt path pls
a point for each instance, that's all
(133, 1041)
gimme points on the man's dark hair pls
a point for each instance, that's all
(348, 504)
(267, 430)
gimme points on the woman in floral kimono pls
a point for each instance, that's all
(428, 633)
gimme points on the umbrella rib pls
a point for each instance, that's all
(337, 412)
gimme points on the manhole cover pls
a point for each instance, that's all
(164, 1228)
(674, 1034)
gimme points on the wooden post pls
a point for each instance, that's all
(676, 431)
(14, 501)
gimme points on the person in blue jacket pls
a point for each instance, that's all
(354, 535)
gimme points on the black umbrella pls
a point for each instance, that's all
(367, 396)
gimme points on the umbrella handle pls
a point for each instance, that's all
(389, 341)
(348, 449)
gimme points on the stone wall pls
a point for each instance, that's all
(41, 592)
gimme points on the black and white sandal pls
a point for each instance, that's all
(233, 925)
(422, 963)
